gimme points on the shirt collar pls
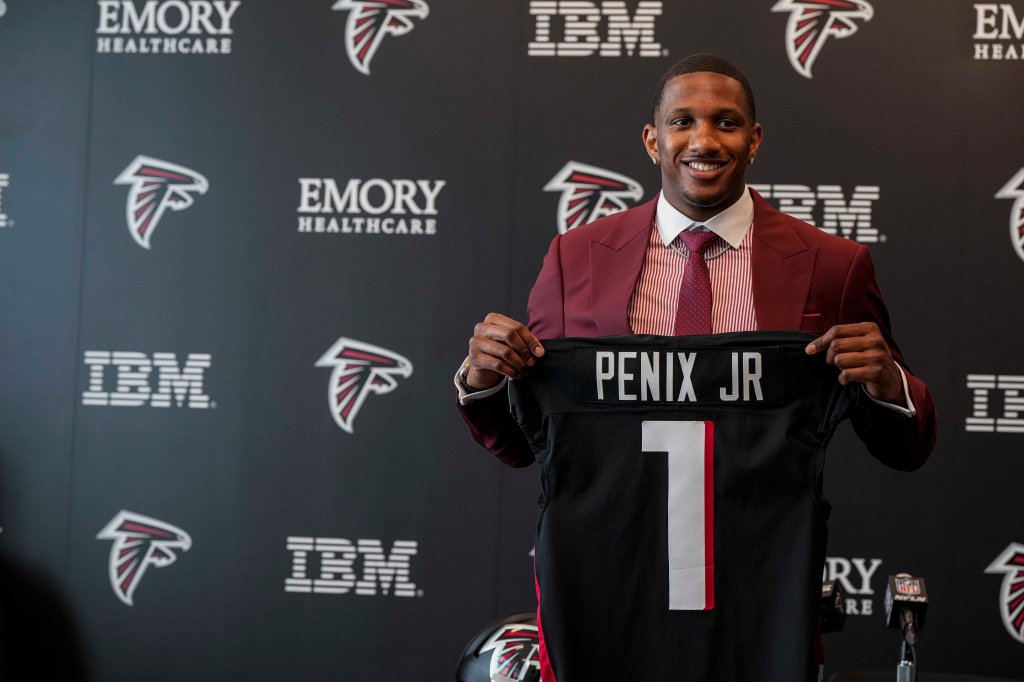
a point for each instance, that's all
(731, 224)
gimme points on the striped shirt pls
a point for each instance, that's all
(652, 310)
(653, 306)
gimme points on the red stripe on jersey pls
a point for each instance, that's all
(547, 673)
(653, 307)
(709, 516)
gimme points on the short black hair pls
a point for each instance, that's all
(699, 63)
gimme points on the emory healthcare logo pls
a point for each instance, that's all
(1011, 597)
(359, 369)
(372, 207)
(812, 22)
(589, 193)
(139, 542)
(1014, 189)
(370, 20)
(516, 650)
(165, 26)
(854, 576)
(155, 186)
(998, 22)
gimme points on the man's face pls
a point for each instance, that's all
(703, 137)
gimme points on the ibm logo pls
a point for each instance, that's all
(1010, 386)
(850, 219)
(133, 379)
(580, 29)
(5, 181)
(336, 560)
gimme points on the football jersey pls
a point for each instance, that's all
(682, 526)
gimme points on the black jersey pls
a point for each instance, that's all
(682, 527)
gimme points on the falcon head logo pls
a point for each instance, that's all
(1014, 189)
(371, 20)
(812, 22)
(589, 193)
(1011, 597)
(156, 186)
(515, 653)
(359, 370)
(139, 542)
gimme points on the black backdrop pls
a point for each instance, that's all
(290, 538)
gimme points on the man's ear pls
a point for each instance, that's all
(757, 136)
(650, 136)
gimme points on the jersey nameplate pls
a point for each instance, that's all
(698, 376)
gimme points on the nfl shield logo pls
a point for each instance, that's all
(909, 586)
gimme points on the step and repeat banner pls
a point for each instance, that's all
(243, 245)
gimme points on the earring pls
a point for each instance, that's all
(751, 160)
(654, 160)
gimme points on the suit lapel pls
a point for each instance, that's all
(781, 267)
(615, 264)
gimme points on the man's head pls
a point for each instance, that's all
(703, 134)
(710, 63)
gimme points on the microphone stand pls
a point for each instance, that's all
(906, 669)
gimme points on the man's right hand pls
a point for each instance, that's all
(500, 347)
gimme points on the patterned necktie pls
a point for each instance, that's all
(693, 314)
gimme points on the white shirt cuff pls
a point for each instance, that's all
(465, 397)
(909, 410)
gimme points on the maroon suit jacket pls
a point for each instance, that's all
(802, 279)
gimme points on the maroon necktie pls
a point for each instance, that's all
(693, 314)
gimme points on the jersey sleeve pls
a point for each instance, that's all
(491, 424)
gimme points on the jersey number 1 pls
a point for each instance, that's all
(691, 495)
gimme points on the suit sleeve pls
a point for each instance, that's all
(489, 419)
(898, 442)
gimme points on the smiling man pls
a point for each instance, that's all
(707, 256)
(703, 134)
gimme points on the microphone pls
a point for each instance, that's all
(832, 607)
(906, 601)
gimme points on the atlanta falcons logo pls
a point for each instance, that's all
(1011, 598)
(1014, 189)
(139, 542)
(156, 186)
(812, 22)
(515, 653)
(371, 20)
(359, 369)
(589, 193)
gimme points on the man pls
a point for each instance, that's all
(763, 270)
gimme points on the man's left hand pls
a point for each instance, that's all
(862, 355)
